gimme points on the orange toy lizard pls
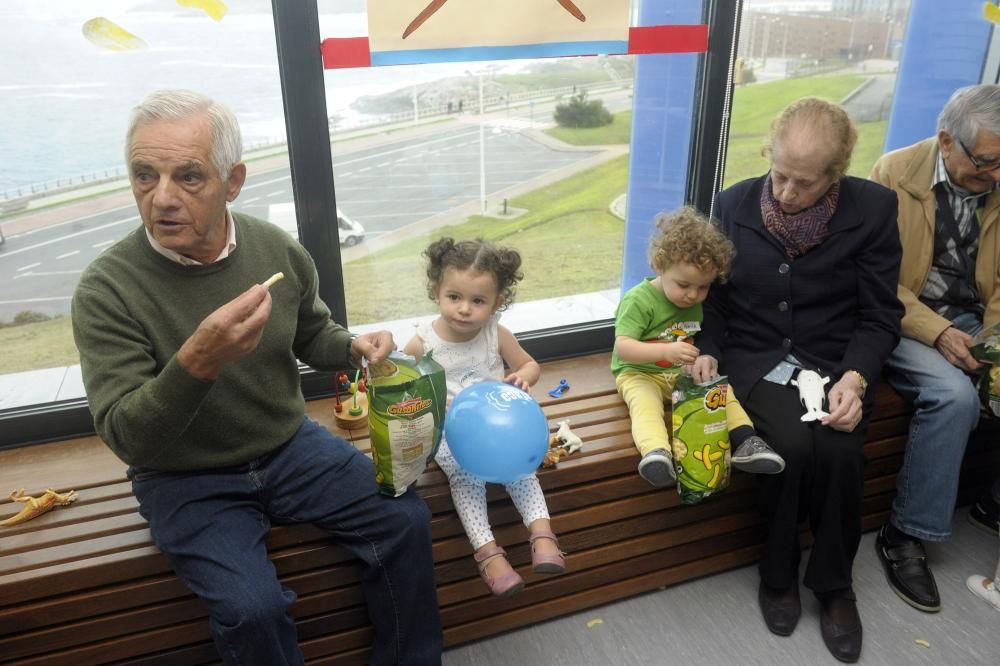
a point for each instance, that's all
(36, 506)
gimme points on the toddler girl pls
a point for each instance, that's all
(472, 282)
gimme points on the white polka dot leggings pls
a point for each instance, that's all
(468, 494)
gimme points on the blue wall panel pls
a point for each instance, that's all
(662, 120)
(944, 49)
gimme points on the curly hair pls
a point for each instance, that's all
(685, 236)
(814, 113)
(478, 255)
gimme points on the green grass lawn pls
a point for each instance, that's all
(570, 218)
(619, 131)
(755, 106)
(46, 344)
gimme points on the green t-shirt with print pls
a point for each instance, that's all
(645, 314)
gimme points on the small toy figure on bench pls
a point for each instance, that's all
(559, 389)
(36, 506)
(562, 444)
(811, 394)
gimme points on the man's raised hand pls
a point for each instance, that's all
(229, 333)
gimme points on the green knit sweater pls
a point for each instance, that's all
(134, 308)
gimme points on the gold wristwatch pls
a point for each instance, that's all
(861, 379)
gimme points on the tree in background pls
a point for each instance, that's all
(581, 113)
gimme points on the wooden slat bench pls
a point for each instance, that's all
(84, 585)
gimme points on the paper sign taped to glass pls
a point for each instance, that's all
(409, 32)
(421, 31)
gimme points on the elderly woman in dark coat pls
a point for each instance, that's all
(813, 287)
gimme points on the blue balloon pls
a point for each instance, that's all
(496, 432)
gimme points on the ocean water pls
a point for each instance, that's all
(64, 103)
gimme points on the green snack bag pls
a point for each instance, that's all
(987, 390)
(986, 348)
(406, 402)
(700, 439)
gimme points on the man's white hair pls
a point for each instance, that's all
(969, 110)
(227, 143)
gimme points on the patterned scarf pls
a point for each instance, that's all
(802, 231)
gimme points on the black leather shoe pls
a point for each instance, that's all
(780, 608)
(841, 627)
(906, 570)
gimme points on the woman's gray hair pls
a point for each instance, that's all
(826, 121)
(227, 143)
(969, 110)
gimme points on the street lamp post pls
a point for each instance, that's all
(416, 109)
(482, 149)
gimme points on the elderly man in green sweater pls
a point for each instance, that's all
(191, 374)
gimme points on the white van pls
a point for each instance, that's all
(351, 232)
(283, 214)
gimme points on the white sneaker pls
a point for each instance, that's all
(985, 589)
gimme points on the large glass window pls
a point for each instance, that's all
(64, 196)
(473, 149)
(465, 149)
(844, 50)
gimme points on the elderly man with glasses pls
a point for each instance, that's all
(948, 209)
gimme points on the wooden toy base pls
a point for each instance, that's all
(350, 421)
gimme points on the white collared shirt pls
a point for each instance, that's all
(187, 261)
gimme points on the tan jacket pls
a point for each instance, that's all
(910, 171)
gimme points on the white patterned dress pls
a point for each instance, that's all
(467, 363)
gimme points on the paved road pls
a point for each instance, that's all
(385, 188)
(874, 101)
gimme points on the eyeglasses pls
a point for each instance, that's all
(976, 162)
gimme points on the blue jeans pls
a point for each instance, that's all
(946, 410)
(213, 525)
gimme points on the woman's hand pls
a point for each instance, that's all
(704, 369)
(845, 404)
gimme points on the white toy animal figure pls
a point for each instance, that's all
(811, 394)
(569, 440)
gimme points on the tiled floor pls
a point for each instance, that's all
(716, 620)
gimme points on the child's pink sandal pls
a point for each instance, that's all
(545, 563)
(504, 586)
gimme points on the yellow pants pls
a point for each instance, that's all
(645, 395)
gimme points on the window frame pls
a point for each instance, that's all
(301, 73)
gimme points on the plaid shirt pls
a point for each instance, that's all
(951, 289)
